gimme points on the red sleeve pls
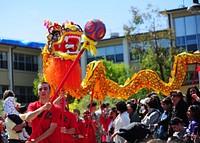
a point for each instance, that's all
(32, 107)
(102, 120)
(95, 125)
(105, 122)
(73, 123)
(81, 128)
(56, 114)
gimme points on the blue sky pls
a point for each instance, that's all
(23, 19)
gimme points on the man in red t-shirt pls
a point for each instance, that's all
(45, 133)
(80, 132)
(91, 126)
(68, 124)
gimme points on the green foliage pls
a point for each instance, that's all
(82, 103)
(119, 73)
(74, 105)
(36, 81)
(2, 113)
(152, 55)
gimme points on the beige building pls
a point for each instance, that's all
(19, 74)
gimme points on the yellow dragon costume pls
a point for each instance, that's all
(62, 48)
(97, 82)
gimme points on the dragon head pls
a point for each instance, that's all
(63, 39)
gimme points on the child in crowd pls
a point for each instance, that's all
(178, 128)
(193, 115)
(10, 106)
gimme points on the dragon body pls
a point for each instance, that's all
(96, 81)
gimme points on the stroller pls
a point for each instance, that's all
(136, 132)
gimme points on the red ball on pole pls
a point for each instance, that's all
(95, 29)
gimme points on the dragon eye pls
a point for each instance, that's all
(55, 35)
(67, 29)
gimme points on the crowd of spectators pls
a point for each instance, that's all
(175, 118)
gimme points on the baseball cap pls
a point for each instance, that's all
(144, 101)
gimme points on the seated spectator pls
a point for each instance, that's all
(153, 113)
(131, 109)
(142, 108)
(192, 95)
(193, 115)
(121, 120)
(155, 95)
(178, 128)
(180, 107)
(195, 138)
(162, 125)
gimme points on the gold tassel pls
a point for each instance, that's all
(89, 45)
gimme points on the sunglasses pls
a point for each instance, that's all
(174, 95)
(193, 90)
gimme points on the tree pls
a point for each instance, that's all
(152, 54)
(36, 81)
(117, 72)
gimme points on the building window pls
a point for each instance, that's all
(192, 48)
(187, 31)
(190, 77)
(2, 89)
(191, 39)
(111, 53)
(180, 41)
(3, 60)
(24, 94)
(25, 62)
(143, 46)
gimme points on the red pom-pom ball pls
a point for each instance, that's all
(95, 29)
